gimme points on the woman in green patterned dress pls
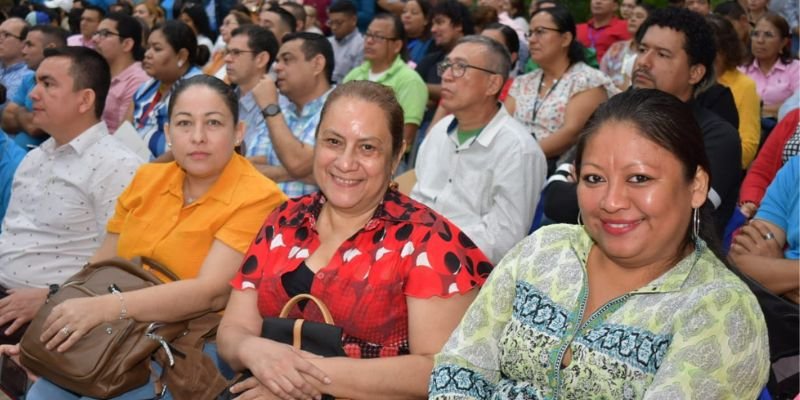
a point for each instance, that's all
(632, 304)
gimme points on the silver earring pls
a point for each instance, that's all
(180, 63)
(696, 224)
(579, 218)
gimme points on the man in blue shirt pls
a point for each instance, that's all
(10, 157)
(18, 113)
(12, 67)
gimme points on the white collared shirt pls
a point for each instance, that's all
(488, 186)
(61, 199)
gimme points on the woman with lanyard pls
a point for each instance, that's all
(172, 55)
(555, 100)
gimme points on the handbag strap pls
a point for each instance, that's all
(326, 314)
(297, 333)
(126, 265)
(157, 266)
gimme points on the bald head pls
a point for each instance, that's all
(12, 33)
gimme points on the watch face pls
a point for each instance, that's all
(272, 110)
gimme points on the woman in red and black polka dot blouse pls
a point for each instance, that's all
(396, 276)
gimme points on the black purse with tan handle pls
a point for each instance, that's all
(323, 339)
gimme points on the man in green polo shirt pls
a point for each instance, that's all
(383, 42)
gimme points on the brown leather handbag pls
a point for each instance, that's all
(113, 357)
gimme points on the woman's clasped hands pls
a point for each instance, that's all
(279, 372)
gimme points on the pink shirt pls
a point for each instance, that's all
(78, 40)
(123, 86)
(778, 84)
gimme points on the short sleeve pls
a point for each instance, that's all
(240, 229)
(719, 350)
(468, 367)
(252, 268)
(586, 78)
(514, 91)
(412, 96)
(445, 262)
(121, 209)
(776, 206)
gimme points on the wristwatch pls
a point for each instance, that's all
(271, 110)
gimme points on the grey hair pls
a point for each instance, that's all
(497, 54)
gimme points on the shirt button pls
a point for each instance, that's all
(321, 275)
(449, 181)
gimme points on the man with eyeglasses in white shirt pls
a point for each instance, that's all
(479, 167)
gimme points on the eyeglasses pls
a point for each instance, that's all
(5, 35)
(333, 23)
(235, 52)
(104, 33)
(539, 31)
(459, 68)
(377, 37)
(759, 34)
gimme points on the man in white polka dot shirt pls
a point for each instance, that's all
(65, 190)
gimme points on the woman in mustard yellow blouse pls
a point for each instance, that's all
(197, 215)
(730, 54)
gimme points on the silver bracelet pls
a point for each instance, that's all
(123, 312)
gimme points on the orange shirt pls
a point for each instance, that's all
(152, 221)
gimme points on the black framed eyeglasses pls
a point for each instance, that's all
(5, 35)
(377, 37)
(104, 33)
(459, 68)
(235, 52)
(541, 30)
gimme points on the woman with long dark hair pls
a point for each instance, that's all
(632, 303)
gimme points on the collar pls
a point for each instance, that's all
(756, 67)
(611, 22)
(489, 132)
(311, 108)
(672, 280)
(395, 207)
(396, 66)
(81, 143)
(222, 190)
(247, 102)
(347, 39)
(128, 71)
(14, 67)
(728, 76)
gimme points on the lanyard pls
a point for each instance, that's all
(149, 109)
(537, 103)
(591, 32)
